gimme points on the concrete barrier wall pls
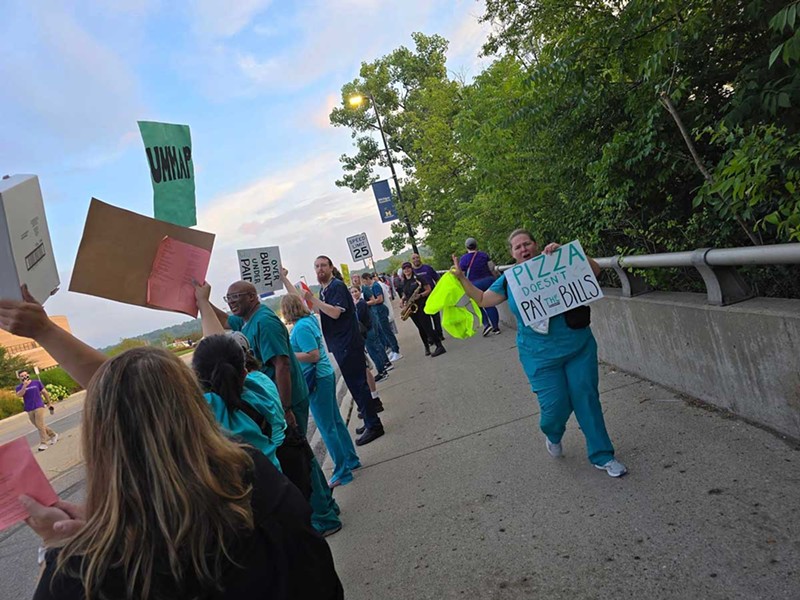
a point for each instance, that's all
(744, 358)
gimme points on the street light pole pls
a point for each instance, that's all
(394, 175)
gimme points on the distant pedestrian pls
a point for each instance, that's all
(379, 311)
(482, 272)
(429, 275)
(371, 334)
(560, 361)
(414, 293)
(31, 392)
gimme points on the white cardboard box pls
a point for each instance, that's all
(26, 252)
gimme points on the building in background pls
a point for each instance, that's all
(28, 349)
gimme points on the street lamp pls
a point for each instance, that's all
(357, 100)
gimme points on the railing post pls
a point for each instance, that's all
(632, 285)
(724, 285)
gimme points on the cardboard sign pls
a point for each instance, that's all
(26, 252)
(359, 247)
(176, 268)
(546, 286)
(262, 268)
(21, 474)
(169, 155)
(118, 249)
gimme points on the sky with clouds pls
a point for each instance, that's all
(254, 79)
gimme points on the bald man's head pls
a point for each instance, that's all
(242, 298)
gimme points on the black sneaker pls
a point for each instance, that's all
(360, 430)
(427, 351)
(381, 377)
(370, 435)
(439, 351)
(487, 330)
(378, 405)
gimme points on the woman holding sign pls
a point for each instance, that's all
(559, 356)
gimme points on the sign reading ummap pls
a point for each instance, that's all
(262, 268)
(359, 247)
(548, 285)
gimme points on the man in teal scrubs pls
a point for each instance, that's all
(269, 340)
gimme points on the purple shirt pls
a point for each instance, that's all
(33, 395)
(480, 265)
(428, 274)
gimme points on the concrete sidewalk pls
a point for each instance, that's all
(460, 499)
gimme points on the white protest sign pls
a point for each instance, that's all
(262, 268)
(359, 247)
(546, 286)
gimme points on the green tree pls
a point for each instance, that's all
(125, 344)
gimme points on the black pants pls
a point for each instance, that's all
(424, 326)
(295, 456)
(353, 365)
(436, 320)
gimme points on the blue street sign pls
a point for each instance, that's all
(383, 195)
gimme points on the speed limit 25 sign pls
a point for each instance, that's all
(359, 247)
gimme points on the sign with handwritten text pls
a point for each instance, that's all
(548, 285)
(262, 268)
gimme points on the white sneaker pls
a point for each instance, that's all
(614, 468)
(53, 439)
(395, 356)
(554, 450)
(42, 447)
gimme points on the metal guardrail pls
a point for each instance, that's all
(724, 284)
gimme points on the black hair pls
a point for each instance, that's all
(218, 362)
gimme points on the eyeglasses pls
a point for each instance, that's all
(234, 297)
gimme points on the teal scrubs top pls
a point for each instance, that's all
(559, 342)
(306, 337)
(238, 424)
(262, 393)
(269, 338)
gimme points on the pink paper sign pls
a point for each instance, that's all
(171, 283)
(21, 474)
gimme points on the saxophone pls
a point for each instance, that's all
(411, 306)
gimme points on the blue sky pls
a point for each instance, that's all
(255, 81)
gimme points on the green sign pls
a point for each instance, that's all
(169, 155)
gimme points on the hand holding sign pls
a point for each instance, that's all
(262, 268)
(558, 280)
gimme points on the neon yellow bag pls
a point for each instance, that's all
(449, 297)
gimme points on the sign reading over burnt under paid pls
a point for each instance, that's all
(548, 285)
(262, 268)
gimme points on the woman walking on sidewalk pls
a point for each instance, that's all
(306, 340)
(560, 360)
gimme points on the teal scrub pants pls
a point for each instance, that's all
(324, 510)
(566, 384)
(333, 430)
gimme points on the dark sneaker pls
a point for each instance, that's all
(427, 351)
(381, 377)
(496, 331)
(487, 330)
(370, 435)
(360, 430)
(378, 405)
(439, 351)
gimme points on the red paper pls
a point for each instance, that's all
(21, 474)
(302, 285)
(176, 267)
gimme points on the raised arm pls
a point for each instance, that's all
(287, 284)
(484, 299)
(28, 319)
(208, 315)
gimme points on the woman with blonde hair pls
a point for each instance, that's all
(174, 509)
(306, 340)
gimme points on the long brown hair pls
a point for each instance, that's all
(166, 492)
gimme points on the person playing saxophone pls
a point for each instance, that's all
(413, 293)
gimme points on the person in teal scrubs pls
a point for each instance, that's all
(226, 388)
(561, 364)
(269, 340)
(306, 338)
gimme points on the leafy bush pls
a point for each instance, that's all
(57, 392)
(59, 377)
(10, 404)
